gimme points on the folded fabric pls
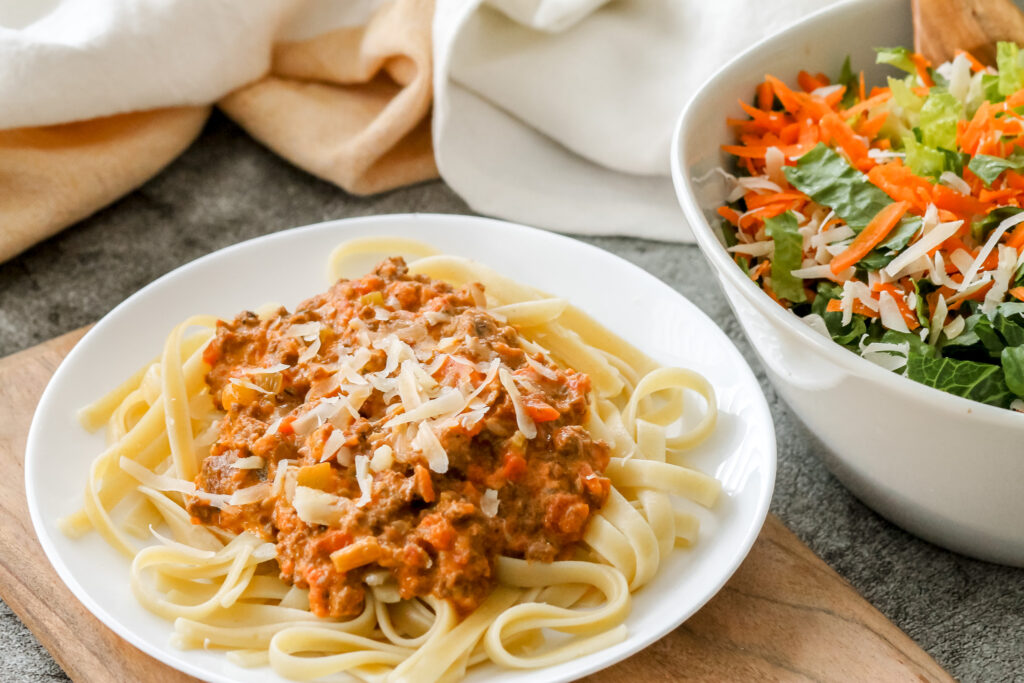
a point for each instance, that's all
(556, 113)
(97, 95)
(560, 112)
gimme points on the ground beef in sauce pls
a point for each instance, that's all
(429, 530)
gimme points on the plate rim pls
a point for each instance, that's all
(739, 552)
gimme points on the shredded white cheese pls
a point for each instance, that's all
(428, 444)
(448, 404)
(253, 462)
(307, 331)
(310, 351)
(1003, 275)
(928, 241)
(332, 445)
(364, 479)
(889, 312)
(318, 507)
(523, 420)
(990, 244)
(249, 385)
(251, 494)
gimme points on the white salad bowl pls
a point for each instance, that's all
(943, 467)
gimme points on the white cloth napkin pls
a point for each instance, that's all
(559, 113)
(555, 113)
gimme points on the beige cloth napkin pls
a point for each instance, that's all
(350, 105)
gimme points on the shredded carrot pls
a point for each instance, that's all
(873, 233)
(835, 306)
(765, 96)
(808, 82)
(760, 269)
(870, 103)
(835, 129)
(922, 65)
(1018, 292)
(900, 297)
(1016, 239)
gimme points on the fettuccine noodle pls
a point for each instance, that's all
(222, 590)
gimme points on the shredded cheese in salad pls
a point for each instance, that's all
(891, 219)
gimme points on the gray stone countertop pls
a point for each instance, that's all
(968, 615)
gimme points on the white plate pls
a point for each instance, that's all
(290, 266)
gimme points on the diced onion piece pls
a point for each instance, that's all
(489, 503)
(523, 420)
(427, 443)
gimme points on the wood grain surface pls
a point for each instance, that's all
(941, 27)
(784, 616)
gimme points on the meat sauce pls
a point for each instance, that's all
(435, 533)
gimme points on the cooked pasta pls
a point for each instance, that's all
(423, 469)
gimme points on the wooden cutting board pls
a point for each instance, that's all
(784, 616)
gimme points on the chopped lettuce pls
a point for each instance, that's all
(1011, 71)
(884, 253)
(990, 88)
(845, 335)
(982, 382)
(898, 57)
(850, 80)
(1012, 359)
(980, 229)
(831, 181)
(904, 96)
(788, 257)
(922, 159)
(988, 168)
(939, 115)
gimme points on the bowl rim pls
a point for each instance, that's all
(716, 255)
